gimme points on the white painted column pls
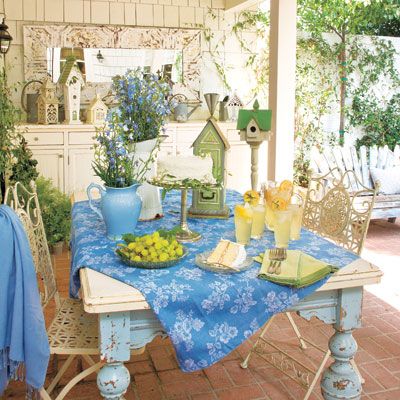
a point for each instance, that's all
(282, 77)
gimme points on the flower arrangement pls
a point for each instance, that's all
(140, 115)
(143, 106)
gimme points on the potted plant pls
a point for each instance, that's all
(56, 214)
(143, 109)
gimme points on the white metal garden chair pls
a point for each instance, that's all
(72, 332)
(334, 210)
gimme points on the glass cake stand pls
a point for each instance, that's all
(182, 232)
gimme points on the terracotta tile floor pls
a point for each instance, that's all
(155, 374)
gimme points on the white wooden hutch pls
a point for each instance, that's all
(65, 152)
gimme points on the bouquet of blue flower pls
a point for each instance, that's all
(143, 106)
(141, 114)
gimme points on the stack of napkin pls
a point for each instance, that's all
(298, 269)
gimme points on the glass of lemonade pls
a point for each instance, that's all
(282, 228)
(257, 228)
(297, 216)
(243, 223)
(269, 195)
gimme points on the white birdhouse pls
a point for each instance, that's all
(97, 111)
(72, 80)
(47, 103)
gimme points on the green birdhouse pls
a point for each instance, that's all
(255, 127)
(211, 203)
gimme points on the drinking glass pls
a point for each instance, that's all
(257, 227)
(297, 216)
(282, 228)
(243, 222)
(269, 195)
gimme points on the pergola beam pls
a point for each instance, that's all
(238, 5)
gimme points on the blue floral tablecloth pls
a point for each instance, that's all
(206, 315)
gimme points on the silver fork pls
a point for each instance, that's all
(274, 257)
(281, 256)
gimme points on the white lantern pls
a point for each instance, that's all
(72, 80)
(47, 103)
(97, 111)
(233, 106)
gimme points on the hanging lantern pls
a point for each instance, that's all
(5, 38)
(47, 103)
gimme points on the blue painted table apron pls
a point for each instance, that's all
(206, 315)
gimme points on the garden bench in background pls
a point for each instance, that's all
(361, 161)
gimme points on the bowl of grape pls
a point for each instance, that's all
(159, 249)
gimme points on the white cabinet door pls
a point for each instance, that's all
(50, 164)
(80, 172)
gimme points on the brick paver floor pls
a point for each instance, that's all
(155, 374)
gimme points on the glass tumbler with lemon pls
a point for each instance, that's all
(243, 222)
(282, 214)
(296, 207)
(252, 198)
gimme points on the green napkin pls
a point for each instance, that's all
(298, 270)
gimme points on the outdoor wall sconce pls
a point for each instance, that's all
(100, 57)
(5, 37)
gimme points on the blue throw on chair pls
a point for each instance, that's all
(24, 347)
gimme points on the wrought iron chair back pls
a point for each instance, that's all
(334, 210)
(26, 205)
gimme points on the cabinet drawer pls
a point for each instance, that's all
(166, 150)
(187, 135)
(170, 133)
(81, 137)
(44, 138)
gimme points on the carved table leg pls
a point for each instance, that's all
(114, 378)
(340, 380)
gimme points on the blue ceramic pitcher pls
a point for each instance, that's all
(120, 208)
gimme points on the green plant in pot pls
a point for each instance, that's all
(56, 213)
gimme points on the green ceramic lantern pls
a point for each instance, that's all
(211, 203)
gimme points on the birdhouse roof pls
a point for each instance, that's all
(261, 117)
(70, 68)
(217, 129)
(97, 101)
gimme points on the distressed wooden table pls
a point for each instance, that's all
(127, 323)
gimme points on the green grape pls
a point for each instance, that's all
(172, 253)
(137, 258)
(179, 251)
(158, 246)
(149, 242)
(145, 252)
(164, 242)
(163, 257)
(131, 246)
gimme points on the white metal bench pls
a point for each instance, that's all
(348, 158)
